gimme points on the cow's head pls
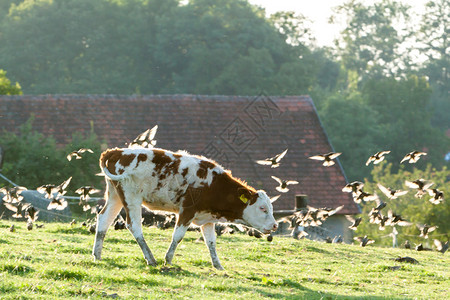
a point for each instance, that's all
(259, 211)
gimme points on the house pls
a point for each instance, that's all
(233, 130)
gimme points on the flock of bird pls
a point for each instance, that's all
(310, 216)
(314, 217)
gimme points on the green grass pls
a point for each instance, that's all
(55, 262)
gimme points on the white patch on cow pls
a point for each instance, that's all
(260, 214)
(202, 218)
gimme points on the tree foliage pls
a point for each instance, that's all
(32, 159)
(6, 87)
(133, 46)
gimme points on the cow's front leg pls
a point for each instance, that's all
(209, 235)
(134, 224)
(177, 236)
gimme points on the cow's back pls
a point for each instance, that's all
(161, 178)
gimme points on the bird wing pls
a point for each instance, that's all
(384, 190)
(282, 190)
(432, 228)
(292, 182)
(94, 191)
(317, 157)
(371, 159)
(350, 218)
(264, 162)
(10, 206)
(152, 132)
(370, 242)
(281, 155)
(406, 157)
(65, 183)
(276, 179)
(411, 185)
(438, 244)
(334, 155)
(80, 190)
(400, 193)
(275, 198)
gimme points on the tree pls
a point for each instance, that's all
(32, 160)
(432, 41)
(6, 87)
(353, 129)
(370, 43)
(405, 122)
(152, 47)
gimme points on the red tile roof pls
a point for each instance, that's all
(233, 130)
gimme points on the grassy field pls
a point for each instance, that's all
(55, 262)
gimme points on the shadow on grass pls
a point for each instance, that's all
(16, 269)
(270, 289)
(70, 230)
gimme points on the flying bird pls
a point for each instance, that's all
(355, 221)
(18, 208)
(31, 213)
(412, 157)
(145, 139)
(354, 187)
(395, 219)
(274, 162)
(77, 153)
(391, 193)
(13, 194)
(282, 188)
(421, 185)
(57, 203)
(425, 229)
(437, 196)
(364, 197)
(84, 192)
(327, 158)
(364, 241)
(377, 157)
(380, 204)
(440, 246)
(52, 191)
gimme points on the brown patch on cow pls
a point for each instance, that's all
(121, 195)
(141, 157)
(184, 172)
(126, 159)
(160, 159)
(203, 167)
(109, 158)
(220, 198)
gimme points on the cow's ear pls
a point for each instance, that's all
(247, 196)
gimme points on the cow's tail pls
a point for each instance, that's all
(110, 157)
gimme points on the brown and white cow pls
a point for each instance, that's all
(198, 189)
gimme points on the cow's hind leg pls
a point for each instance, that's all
(134, 224)
(177, 236)
(105, 218)
(209, 236)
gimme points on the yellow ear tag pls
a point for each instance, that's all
(243, 198)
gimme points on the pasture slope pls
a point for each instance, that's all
(55, 262)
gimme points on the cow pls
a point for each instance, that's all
(197, 189)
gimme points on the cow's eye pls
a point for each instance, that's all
(263, 208)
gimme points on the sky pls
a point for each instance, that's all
(318, 12)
